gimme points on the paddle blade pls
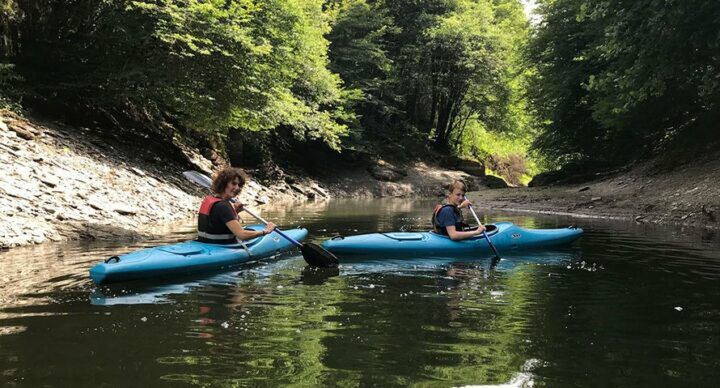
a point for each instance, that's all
(317, 256)
(198, 178)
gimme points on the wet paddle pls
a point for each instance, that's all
(497, 255)
(314, 255)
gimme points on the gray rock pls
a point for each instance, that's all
(709, 212)
(320, 190)
(493, 182)
(472, 167)
(451, 161)
(299, 189)
(23, 131)
(125, 210)
(21, 193)
(96, 203)
(386, 172)
(49, 180)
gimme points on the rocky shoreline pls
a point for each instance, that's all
(60, 183)
(687, 196)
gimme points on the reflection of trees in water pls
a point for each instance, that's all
(273, 331)
(422, 329)
(376, 329)
(488, 321)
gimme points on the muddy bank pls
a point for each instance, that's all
(687, 195)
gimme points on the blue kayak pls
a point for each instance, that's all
(190, 257)
(506, 236)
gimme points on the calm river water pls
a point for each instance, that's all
(625, 306)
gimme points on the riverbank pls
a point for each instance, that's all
(687, 195)
(59, 183)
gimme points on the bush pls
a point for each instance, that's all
(511, 167)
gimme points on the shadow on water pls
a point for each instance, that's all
(627, 305)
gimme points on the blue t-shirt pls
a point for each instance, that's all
(447, 217)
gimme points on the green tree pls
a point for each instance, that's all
(662, 72)
(358, 53)
(560, 53)
(208, 65)
(615, 78)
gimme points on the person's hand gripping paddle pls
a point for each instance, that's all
(497, 255)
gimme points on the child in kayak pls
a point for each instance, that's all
(447, 218)
(218, 216)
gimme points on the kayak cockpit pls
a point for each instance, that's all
(490, 230)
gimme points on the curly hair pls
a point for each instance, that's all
(226, 176)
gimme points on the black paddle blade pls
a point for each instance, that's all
(317, 256)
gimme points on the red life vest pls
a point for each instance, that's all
(209, 232)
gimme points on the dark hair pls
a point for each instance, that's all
(226, 176)
(457, 184)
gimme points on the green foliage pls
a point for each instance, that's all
(463, 66)
(559, 98)
(250, 65)
(601, 80)
(209, 65)
(358, 53)
(490, 121)
(9, 81)
(427, 68)
(617, 77)
(431, 72)
(508, 149)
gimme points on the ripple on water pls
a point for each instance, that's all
(603, 312)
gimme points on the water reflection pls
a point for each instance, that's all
(627, 305)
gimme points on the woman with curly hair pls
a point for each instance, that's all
(218, 216)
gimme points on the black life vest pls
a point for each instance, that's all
(459, 223)
(209, 232)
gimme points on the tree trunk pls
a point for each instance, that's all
(441, 129)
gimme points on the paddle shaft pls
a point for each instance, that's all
(280, 232)
(483, 233)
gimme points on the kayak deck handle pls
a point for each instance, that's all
(338, 237)
(116, 258)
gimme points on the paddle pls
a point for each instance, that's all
(497, 255)
(314, 255)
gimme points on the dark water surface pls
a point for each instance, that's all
(625, 306)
